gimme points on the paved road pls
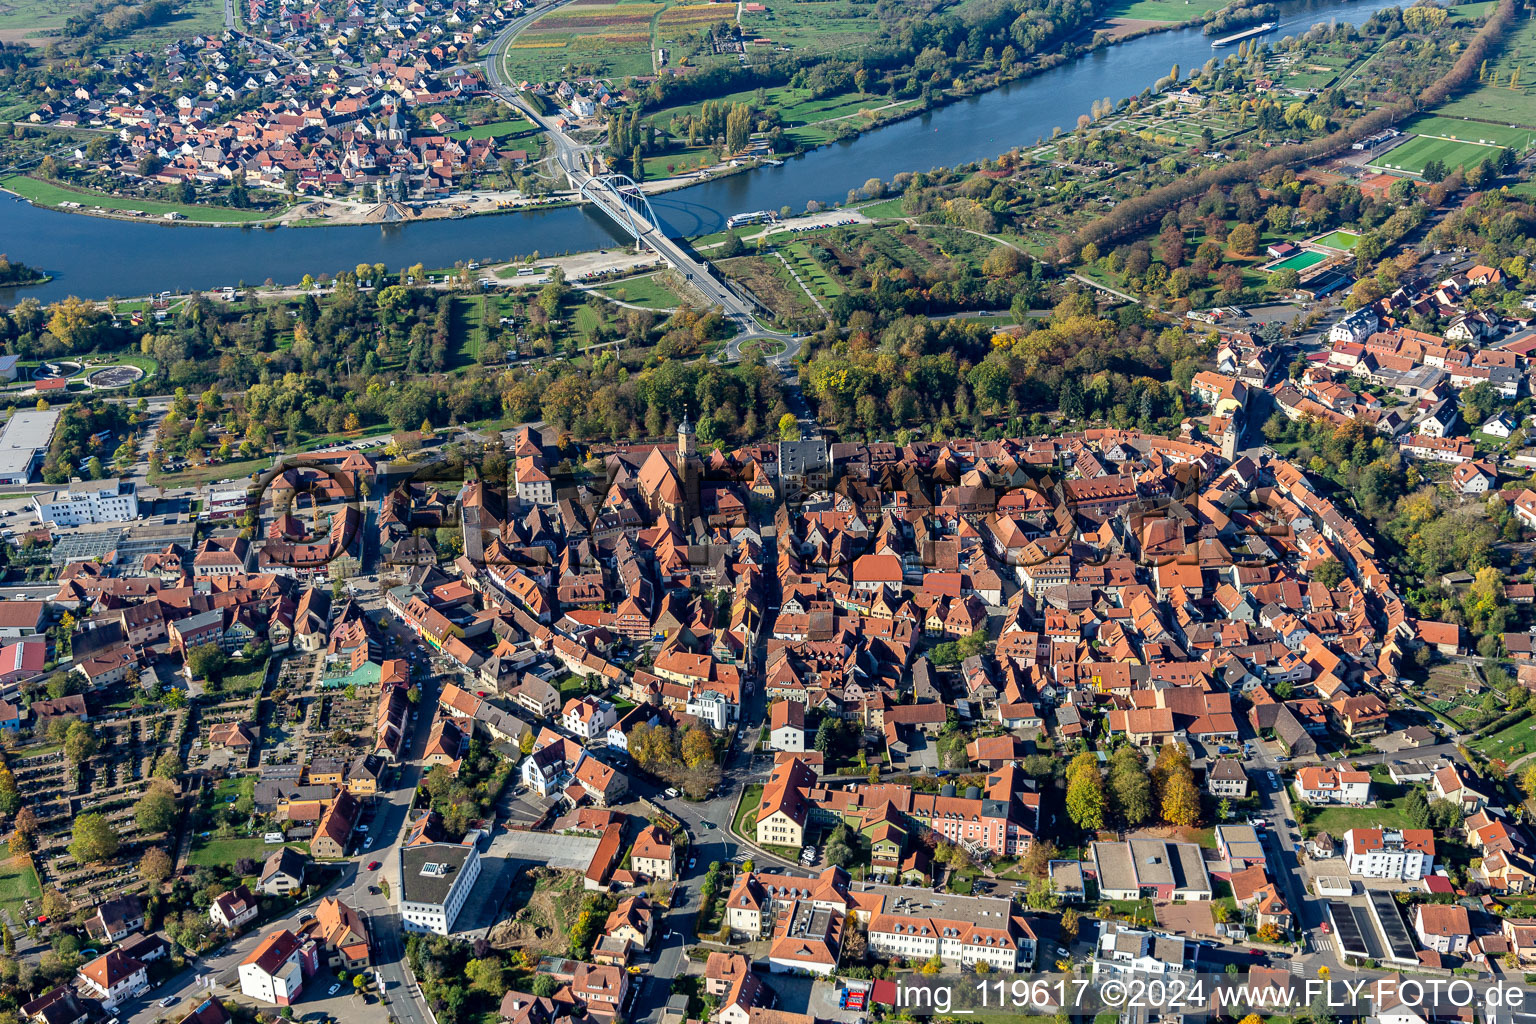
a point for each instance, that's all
(570, 158)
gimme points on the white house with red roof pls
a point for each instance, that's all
(275, 970)
(587, 717)
(1329, 784)
(1405, 855)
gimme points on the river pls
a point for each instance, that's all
(96, 257)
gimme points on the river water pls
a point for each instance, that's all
(95, 257)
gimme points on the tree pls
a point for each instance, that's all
(697, 749)
(1070, 923)
(79, 742)
(95, 840)
(156, 810)
(1416, 808)
(789, 427)
(155, 866)
(1330, 573)
(486, 974)
(206, 660)
(842, 847)
(1040, 896)
(1181, 801)
(1130, 785)
(1243, 239)
(933, 965)
(1172, 760)
(543, 986)
(826, 735)
(1085, 792)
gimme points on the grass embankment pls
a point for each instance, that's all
(46, 193)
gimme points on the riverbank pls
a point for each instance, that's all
(318, 212)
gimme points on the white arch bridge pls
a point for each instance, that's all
(620, 197)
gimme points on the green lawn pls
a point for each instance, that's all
(195, 476)
(746, 812)
(240, 785)
(648, 290)
(1338, 820)
(884, 208)
(1163, 10)
(1508, 743)
(18, 883)
(45, 193)
(43, 18)
(495, 130)
(240, 678)
(213, 852)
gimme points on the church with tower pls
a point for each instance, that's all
(668, 481)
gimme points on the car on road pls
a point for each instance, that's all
(169, 1000)
(693, 862)
(670, 794)
(709, 824)
(373, 865)
(1256, 953)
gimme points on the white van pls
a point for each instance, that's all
(273, 837)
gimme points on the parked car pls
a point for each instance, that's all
(373, 865)
(333, 989)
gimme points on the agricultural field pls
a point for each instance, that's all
(31, 21)
(1163, 10)
(1413, 155)
(35, 22)
(813, 26)
(613, 40)
(1495, 100)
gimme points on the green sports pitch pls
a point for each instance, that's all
(1301, 261)
(1412, 155)
(1344, 240)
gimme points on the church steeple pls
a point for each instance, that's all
(685, 438)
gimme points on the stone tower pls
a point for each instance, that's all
(685, 439)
